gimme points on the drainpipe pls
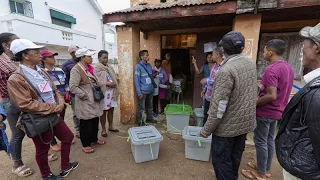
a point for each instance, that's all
(103, 36)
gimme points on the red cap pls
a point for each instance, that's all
(47, 53)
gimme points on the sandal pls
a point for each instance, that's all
(52, 157)
(22, 171)
(78, 134)
(104, 133)
(251, 175)
(88, 150)
(56, 148)
(100, 142)
(114, 130)
(253, 165)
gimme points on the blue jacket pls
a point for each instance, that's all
(142, 81)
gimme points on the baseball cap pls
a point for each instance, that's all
(47, 53)
(72, 48)
(312, 33)
(233, 41)
(19, 45)
(83, 52)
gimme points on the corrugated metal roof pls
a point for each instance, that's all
(180, 3)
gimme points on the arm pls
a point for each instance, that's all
(270, 83)
(20, 95)
(313, 123)
(75, 79)
(196, 68)
(137, 80)
(222, 92)
(67, 73)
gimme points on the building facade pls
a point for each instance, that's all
(56, 24)
(186, 27)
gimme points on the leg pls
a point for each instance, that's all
(236, 155)
(221, 158)
(76, 121)
(149, 103)
(163, 104)
(141, 108)
(205, 111)
(110, 120)
(42, 153)
(271, 143)
(94, 130)
(155, 104)
(17, 136)
(260, 139)
(85, 132)
(64, 134)
(103, 121)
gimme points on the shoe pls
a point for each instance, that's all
(73, 166)
(152, 121)
(155, 115)
(52, 177)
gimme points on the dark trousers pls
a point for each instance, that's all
(62, 114)
(156, 104)
(205, 111)
(89, 131)
(226, 156)
(64, 134)
(145, 103)
(163, 104)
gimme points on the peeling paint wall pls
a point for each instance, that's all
(249, 25)
(128, 49)
(151, 42)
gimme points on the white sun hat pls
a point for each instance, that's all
(19, 45)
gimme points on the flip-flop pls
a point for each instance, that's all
(100, 142)
(251, 175)
(88, 150)
(253, 165)
(56, 148)
(114, 130)
(52, 157)
(22, 171)
(104, 133)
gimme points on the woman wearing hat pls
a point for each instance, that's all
(87, 108)
(32, 91)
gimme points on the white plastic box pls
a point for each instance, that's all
(199, 112)
(145, 143)
(178, 117)
(196, 147)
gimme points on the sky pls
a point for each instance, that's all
(114, 5)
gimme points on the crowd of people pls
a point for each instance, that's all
(34, 91)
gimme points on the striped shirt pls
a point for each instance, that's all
(59, 79)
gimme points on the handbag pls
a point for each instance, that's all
(96, 90)
(37, 124)
(152, 80)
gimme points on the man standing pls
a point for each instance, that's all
(144, 84)
(276, 87)
(298, 139)
(232, 112)
(67, 67)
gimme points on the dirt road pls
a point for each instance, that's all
(114, 161)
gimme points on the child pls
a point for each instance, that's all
(4, 143)
(160, 78)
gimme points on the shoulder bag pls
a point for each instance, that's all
(37, 124)
(150, 76)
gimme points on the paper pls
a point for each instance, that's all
(209, 47)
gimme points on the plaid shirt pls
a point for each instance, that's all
(7, 67)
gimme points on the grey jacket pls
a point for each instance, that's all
(85, 106)
(233, 106)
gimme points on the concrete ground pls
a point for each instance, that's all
(114, 161)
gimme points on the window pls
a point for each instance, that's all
(23, 8)
(60, 22)
(62, 19)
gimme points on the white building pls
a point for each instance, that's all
(55, 23)
(110, 36)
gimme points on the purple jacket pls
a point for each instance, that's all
(161, 81)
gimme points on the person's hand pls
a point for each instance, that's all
(194, 61)
(59, 108)
(203, 92)
(203, 81)
(203, 135)
(140, 97)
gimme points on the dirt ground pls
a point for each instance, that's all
(114, 161)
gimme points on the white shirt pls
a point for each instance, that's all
(311, 75)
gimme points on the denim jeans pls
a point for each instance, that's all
(145, 102)
(264, 135)
(17, 135)
(226, 156)
(76, 121)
